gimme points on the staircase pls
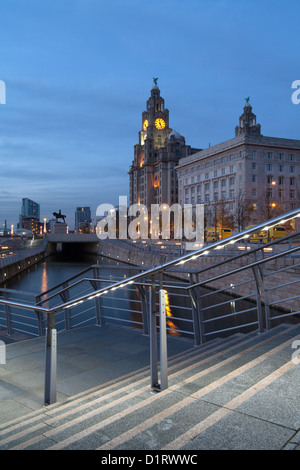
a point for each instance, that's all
(235, 393)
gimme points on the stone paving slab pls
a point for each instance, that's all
(86, 357)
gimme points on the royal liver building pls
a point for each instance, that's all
(153, 178)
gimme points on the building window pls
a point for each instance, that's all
(215, 173)
(223, 171)
(223, 183)
(292, 157)
(280, 168)
(231, 181)
(280, 156)
(206, 186)
(292, 194)
(280, 180)
(269, 167)
(270, 156)
(216, 185)
(253, 178)
(206, 176)
(231, 193)
(292, 169)
(253, 166)
(292, 181)
(269, 179)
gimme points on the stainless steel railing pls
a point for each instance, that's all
(57, 308)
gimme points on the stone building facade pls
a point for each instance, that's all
(250, 178)
(153, 178)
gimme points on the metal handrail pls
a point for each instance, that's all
(86, 279)
(163, 267)
(242, 268)
(50, 379)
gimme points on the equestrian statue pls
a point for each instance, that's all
(59, 215)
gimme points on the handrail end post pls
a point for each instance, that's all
(50, 366)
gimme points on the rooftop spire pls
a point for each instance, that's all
(247, 121)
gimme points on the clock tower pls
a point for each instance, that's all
(155, 120)
(152, 174)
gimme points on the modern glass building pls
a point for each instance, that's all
(30, 215)
(83, 219)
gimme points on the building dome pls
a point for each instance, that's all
(174, 134)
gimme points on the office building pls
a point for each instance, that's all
(30, 215)
(245, 180)
(83, 219)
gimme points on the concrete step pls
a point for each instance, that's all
(211, 390)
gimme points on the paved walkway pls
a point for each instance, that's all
(86, 357)
(237, 393)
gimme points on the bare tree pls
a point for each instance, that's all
(244, 209)
(267, 208)
(217, 215)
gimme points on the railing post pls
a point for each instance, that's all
(67, 311)
(8, 315)
(258, 300)
(155, 385)
(163, 341)
(266, 297)
(144, 304)
(50, 360)
(196, 312)
(153, 338)
(98, 301)
(39, 316)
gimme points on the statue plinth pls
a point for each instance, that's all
(60, 227)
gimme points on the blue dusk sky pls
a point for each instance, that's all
(78, 74)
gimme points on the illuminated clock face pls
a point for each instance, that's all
(160, 123)
(145, 124)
